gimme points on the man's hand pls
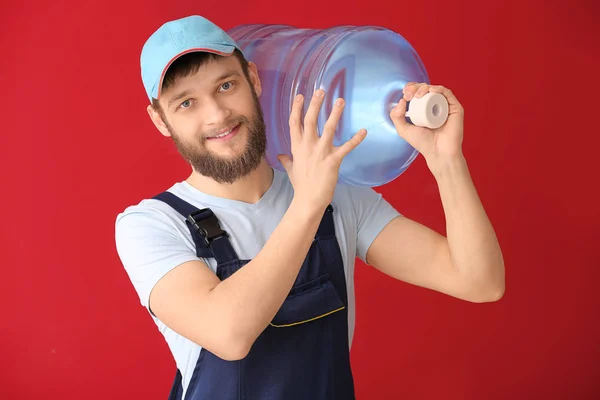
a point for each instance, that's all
(438, 146)
(314, 169)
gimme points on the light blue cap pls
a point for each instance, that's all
(176, 38)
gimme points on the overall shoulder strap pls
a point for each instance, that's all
(211, 241)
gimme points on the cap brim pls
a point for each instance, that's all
(222, 50)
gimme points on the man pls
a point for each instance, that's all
(248, 271)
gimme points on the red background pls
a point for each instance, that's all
(77, 147)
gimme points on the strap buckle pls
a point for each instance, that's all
(207, 225)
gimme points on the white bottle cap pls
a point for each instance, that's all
(429, 111)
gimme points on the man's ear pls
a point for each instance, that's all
(157, 121)
(254, 79)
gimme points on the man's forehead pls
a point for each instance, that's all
(204, 79)
(210, 71)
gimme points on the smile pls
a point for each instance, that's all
(225, 135)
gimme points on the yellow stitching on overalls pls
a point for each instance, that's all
(308, 320)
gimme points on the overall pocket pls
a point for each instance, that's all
(308, 302)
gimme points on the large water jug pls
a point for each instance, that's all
(368, 66)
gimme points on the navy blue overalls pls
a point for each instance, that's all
(303, 354)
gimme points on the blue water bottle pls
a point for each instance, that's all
(368, 66)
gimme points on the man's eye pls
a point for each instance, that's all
(186, 104)
(226, 85)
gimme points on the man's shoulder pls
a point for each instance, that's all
(150, 208)
(350, 195)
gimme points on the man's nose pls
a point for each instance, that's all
(215, 113)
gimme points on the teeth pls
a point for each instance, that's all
(224, 133)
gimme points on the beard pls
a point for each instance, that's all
(228, 169)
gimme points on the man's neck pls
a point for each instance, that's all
(249, 189)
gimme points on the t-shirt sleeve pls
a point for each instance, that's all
(373, 213)
(150, 244)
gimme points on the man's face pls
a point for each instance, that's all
(215, 120)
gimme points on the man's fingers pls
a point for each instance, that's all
(351, 143)
(399, 112)
(286, 162)
(410, 89)
(295, 121)
(332, 122)
(312, 114)
(398, 116)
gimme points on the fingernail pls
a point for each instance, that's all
(319, 93)
(339, 102)
(299, 98)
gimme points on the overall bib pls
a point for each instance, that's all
(304, 353)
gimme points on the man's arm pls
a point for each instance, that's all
(468, 264)
(226, 317)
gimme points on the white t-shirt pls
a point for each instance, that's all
(152, 239)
